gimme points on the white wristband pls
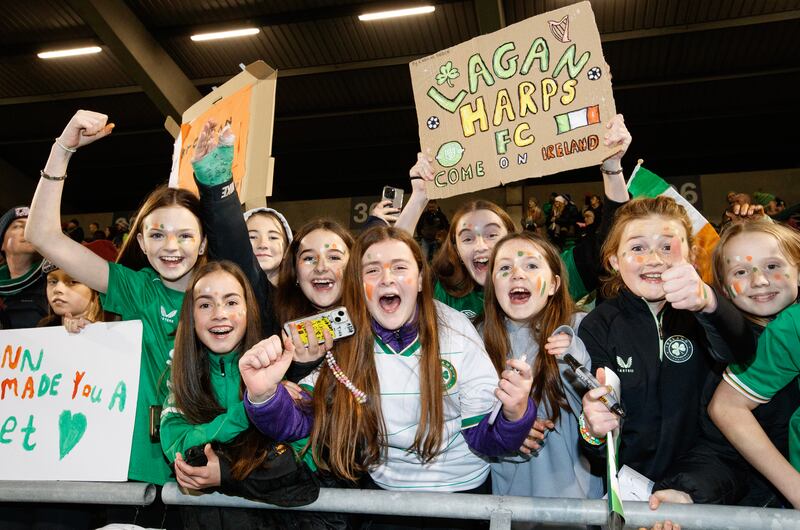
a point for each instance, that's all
(260, 403)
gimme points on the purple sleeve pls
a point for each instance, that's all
(503, 437)
(279, 418)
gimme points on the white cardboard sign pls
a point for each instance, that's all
(67, 402)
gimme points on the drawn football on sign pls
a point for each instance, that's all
(450, 154)
(433, 122)
(594, 73)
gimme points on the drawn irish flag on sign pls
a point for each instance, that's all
(577, 119)
(645, 183)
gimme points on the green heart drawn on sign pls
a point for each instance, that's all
(70, 431)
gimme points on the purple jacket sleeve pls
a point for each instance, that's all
(279, 418)
(503, 437)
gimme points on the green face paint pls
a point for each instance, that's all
(544, 288)
(520, 253)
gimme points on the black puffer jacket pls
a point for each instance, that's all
(663, 362)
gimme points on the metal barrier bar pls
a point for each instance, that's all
(125, 493)
(502, 510)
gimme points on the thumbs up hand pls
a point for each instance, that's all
(682, 285)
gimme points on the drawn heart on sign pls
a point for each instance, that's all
(71, 428)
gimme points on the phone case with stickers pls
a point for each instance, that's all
(336, 320)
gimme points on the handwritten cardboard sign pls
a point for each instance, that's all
(67, 402)
(247, 104)
(526, 101)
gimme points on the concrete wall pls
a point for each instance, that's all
(712, 191)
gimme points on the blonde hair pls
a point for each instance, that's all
(611, 283)
(788, 242)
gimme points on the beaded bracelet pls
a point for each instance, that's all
(607, 172)
(586, 434)
(50, 177)
(340, 376)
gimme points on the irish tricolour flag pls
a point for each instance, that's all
(645, 183)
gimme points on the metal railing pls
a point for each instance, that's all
(501, 511)
(125, 493)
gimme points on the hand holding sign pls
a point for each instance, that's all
(213, 156)
(617, 135)
(263, 366)
(421, 172)
(74, 324)
(683, 287)
(84, 128)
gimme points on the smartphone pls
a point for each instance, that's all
(393, 194)
(337, 321)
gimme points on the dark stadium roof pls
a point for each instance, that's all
(705, 86)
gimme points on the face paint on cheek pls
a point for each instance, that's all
(544, 288)
(640, 259)
(369, 289)
(539, 283)
(737, 288)
(778, 277)
(408, 281)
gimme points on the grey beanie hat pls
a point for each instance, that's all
(276, 213)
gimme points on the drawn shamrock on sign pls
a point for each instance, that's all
(447, 72)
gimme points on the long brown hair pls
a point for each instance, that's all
(447, 264)
(131, 254)
(290, 302)
(788, 242)
(611, 282)
(351, 436)
(191, 378)
(558, 311)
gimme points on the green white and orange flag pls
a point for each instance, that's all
(645, 183)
